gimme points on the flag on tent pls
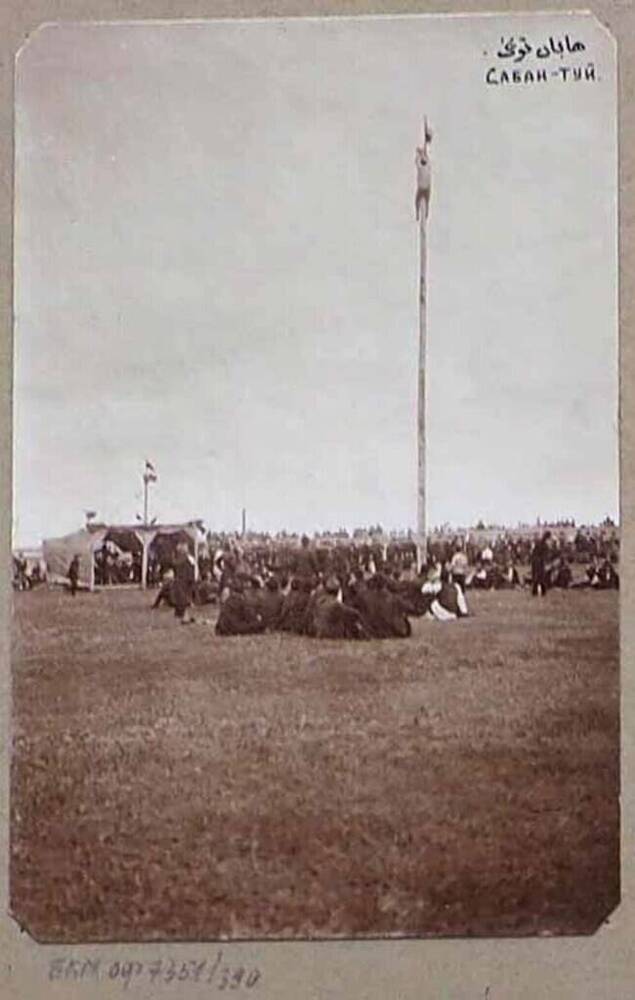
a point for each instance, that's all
(150, 474)
(90, 515)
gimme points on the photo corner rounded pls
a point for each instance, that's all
(603, 26)
(30, 36)
(608, 921)
(21, 927)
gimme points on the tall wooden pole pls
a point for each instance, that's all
(422, 201)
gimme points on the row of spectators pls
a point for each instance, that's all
(490, 566)
(350, 604)
(253, 574)
(261, 556)
(482, 562)
(506, 548)
(329, 597)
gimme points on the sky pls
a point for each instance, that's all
(216, 263)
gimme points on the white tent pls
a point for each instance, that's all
(58, 552)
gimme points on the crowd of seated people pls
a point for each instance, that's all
(355, 591)
(292, 584)
(326, 608)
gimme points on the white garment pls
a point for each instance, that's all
(217, 571)
(440, 613)
(460, 599)
(459, 563)
(443, 615)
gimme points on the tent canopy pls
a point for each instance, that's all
(58, 552)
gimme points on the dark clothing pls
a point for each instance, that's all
(20, 578)
(73, 575)
(183, 588)
(415, 603)
(206, 592)
(383, 614)
(238, 616)
(603, 577)
(334, 620)
(448, 598)
(309, 616)
(459, 578)
(609, 578)
(305, 564)
(269, 605)
(540, 577)
(563, 577)
(481, 580)
(165, 595)
(292, 616)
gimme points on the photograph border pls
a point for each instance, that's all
(602, 965)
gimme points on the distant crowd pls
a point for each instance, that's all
(366, 589)
(349, 595)
(348, 586)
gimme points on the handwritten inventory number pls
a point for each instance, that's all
(216, 974)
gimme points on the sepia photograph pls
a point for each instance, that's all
(316, 530)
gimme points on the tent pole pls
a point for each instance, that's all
(144, 562)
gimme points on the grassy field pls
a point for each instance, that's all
(167, 783)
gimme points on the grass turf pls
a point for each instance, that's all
(169, 784)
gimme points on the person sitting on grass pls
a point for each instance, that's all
(608, 576)
(432, 582)
(270, 602)
(292, 616)
(563, 575)
(459, 566)
(450, 603)
(383, 612)
(592, 574)
(511, 576)
(496, 577)
(480, 578)
(238, 615)
(166, 592)
(207, 590)
(332, 619)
